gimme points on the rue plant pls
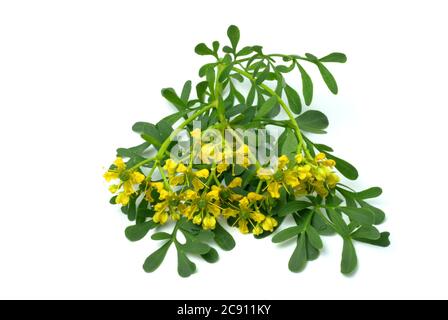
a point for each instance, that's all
(217, 182)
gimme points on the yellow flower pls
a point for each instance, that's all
(188, 210)
(257, 216)
(170, 167)
(332, 180)
(304, 172)
(128, 179)
(160, 217)
(197, 219)
(291, 178)
(222, 167)
(265, 173)
(177, 180)
(228, 212)
(189, 195)
(122, 198)
(257, 230)
(244, 203)
(181, 168)
(299, 158)
(110, 175)
(213, 209)
(204, 173)
(252, 196)
(209, 222)
(114, 188)
(237, 182)
(214, 194)
(115, 173)
(283, 162)
(274, 189)
(242, 225)
(137, 177)
(320, 156)
(269, 224)
(321, 173)
(119, 163)
(329, 163)
(320, 189)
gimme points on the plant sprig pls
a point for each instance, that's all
(153, 189)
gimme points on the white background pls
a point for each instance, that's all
(75, 76)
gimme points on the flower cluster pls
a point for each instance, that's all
(226, 170)
(202, 196)
(302, 177)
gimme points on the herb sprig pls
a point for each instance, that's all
(152, 188)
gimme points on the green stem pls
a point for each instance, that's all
(165, 180)
(285, 107)
(141, 163)
(219, 98)
(167, 142)
(156, 164)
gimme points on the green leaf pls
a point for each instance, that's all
(186, 91)
(349, 258)
(292, 207)
(307, 86)
(202, 50)
(311, 252)
(201, 89)
(299, 257)
(165, 129)
(314, 238)
(293, 99)
(170, 95)
(216, 46)
(363, 216)
(287, 234)
(139, 231)
(211, 77)
(383, 241)
(245, 51)
(321, 227)
(170, 120)
(379, 214)
(196, 247)
(185, 267)
(223, 239)
(234, 35)
(288, 143)
(149, 132)
(313, 121)
(366, 232)
(339, 224)
(155, 260)
(205, 236)
(328, 78)
(373, 192)
(345, 168)
(133, 152)
(323, 147)
(334, 57)
(266, 107)
(211, 256)
(251, 96)
(161, 236)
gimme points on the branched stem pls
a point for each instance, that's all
(284, 106)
